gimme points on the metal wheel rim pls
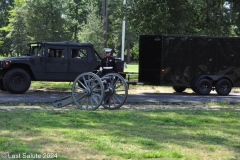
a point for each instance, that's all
(223, 87)
(118, 93)
(17, 81)
(87, 91)
(204, 87)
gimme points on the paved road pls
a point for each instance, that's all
(49, 97)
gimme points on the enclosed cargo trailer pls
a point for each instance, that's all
(202, 63)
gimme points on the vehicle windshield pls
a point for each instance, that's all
(35, 50)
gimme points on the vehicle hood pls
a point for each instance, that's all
(15, 58)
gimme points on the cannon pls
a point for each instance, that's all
(89, 91)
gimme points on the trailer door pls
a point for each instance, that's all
(150, 47)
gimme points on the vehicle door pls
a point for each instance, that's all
(55, 61)
(80, 60)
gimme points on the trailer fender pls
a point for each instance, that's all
(224, 77)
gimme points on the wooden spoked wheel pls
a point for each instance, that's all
(87, 91)
(115, 91)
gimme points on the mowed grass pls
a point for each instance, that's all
(51, 85)
(131, 68)
(122, 134)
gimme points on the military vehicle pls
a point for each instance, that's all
(49, 61)
(202, 63)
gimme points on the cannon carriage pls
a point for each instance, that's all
(89, 91)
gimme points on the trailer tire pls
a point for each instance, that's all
(2, 88)
(17, 81)
(179, 89)
(223, 87)
(203, 87)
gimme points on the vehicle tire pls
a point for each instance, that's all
(203, 87)
(179, 89)
(17, 81)
(223, 87)
(2, 86)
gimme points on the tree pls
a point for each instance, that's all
(76, 13)
(209, 17)
(92, 30)
(234, 7)
(46, 20)
(114, 33)
(17, 28)
(5, 6)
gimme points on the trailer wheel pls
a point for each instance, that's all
(203, 87)
(223, 87)
(17, 81)
(2, 86)
(179, 89)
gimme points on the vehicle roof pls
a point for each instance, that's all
(64, 43)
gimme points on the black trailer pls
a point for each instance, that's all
(202, 63)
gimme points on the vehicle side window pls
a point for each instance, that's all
(60, 53)
(51, 53)
(37, 51)
(55, 53)
(79, 53)
(83, 53)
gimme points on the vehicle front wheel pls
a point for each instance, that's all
(17, 81)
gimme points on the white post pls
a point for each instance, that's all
(123, 34)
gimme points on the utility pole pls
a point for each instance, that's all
(123, 34)
(105, 21)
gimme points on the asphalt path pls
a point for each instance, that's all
(50, 97)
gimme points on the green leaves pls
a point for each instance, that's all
(182, 17)
(73, 20)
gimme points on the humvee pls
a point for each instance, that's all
(49, 61)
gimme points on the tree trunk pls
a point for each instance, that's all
(105, 21)
(75, 27)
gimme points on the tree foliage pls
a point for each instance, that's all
(5, 6)
(209, 17)
(47, 20)
(23, 21)
(92, 29)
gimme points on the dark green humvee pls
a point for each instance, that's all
(49, 61)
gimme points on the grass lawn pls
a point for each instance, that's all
(121, 134)
(131, 68)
